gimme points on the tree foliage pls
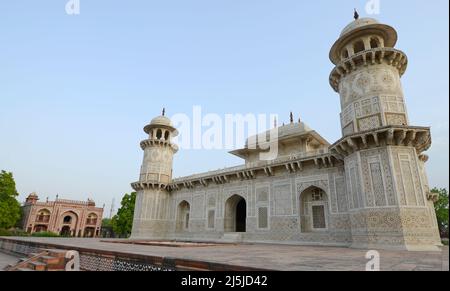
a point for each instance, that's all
(441, 207)
(122, 222)
(106, 222)
(10, 211)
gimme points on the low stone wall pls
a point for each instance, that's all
(99, 260)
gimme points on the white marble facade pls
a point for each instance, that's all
(367, 190)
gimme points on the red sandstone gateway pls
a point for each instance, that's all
(65, 217)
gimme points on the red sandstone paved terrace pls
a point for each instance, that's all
(275, 257)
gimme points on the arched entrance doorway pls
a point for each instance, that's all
(91, 219)
(69, 223)
(235, 214)
(43, 216)
(183, 213)
(89, 232)
(40, 228)
(313, 210)
(65, 231)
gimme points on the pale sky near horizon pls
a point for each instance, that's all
(76, 91)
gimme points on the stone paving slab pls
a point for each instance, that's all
(7, 259)
(271, 257)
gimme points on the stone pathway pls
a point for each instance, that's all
(273, 257)
(7, 259)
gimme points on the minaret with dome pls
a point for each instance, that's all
(389, 196)
(152, 200)
(368, 68)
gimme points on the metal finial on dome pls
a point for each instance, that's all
(356, 15)
(164, 112)
(291, 117)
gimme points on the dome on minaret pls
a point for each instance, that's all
(32, 198)
(33, 195)
(361, 27)
(359, 23)
(161, 120)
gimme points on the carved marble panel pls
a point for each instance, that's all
(211, 200)
(263, 217)
(393, 104)
(332, 194)
(341, 193)
(377, 184)
(348, 130)
(211, 218)
(354, 189)
(373, 80)
(368, 123)
(408, 182)
(407, 176)
(396, 119)
(262, 195)
(377, 177)
(347, 115)
(353, 182)
(197, 207)
(282, 200)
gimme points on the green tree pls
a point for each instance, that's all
(10, 211)
(123, 220)
(441, 207)
(106, 222)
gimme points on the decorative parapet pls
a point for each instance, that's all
(65, 201)
(138, 186)
(391, 56)
(290, 164)
(45, 204)
(418, 137)
(88, 205)
(161, 142)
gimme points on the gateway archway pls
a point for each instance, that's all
(65, 231)
(235, 214)
(69, 223)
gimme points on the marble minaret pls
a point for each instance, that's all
(152, 209)
(389, 198)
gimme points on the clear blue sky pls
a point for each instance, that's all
(76, 91)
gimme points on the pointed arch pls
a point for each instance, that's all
(69, 223)
(235, 219)
(313, 209)
(183, 215)
(92, 219)
(359, 46)
(43, 215)
(159, 134)
(375, 42)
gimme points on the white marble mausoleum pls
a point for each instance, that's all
(369, 189)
